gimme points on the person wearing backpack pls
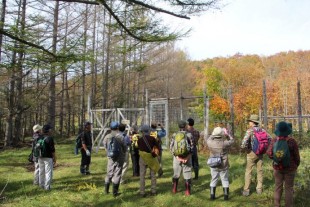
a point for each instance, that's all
(255, 151)
(134, 150)
(37, 134)
(196, 135)
(218, 146)
(122, 128)
(86, 147)
(284, 152)
(181, 147)
(47, 159)
(158, 132)
(146, 143)
(115, 148)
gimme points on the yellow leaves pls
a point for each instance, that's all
(86, 186)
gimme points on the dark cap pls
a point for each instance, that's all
(145, 128)
(87, 123)
(182, 124)
(191, 121)
(46, 128)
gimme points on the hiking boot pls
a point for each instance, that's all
(188, 187)
(115, 190)
(196, 171)
(246, 193)
(259, 191)
(175, 185)
(212, 193)
(160, 172)
(226, 193)
(106, 188)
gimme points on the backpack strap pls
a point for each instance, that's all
(147, 143)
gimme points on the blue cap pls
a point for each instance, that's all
(114, 125)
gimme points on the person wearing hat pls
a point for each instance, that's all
(182, 162)
(122, 130)
(37, 134)
(146, 144)
(196, 135)
(48, 159)
(158, 132)
(219, 147)
(252, 159)
(284, 174)
(87, 142)
(114, 165)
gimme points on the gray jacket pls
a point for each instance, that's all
(219, 146)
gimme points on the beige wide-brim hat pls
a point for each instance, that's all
(37, 128)
(217, 132)
(254, 118)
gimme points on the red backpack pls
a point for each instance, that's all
(260, 141)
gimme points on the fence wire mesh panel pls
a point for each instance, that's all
(159, 114)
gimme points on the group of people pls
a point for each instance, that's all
(282, 149)
(44, 158)
(144, 144)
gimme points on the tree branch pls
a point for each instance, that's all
(26, 42)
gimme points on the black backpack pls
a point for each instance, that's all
(78, 140)
(114, 148)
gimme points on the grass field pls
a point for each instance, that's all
(69, 188)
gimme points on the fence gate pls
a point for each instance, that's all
(159, 113)
(101, 119)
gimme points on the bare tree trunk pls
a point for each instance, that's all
(19, 80)
(52, 86)
(299, 110)
(2, 19)
(82, 115)
(94, 63)
(105, 84)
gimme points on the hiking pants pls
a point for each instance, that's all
(253, 159)
(114, 171)
(195, 162)
(125, 165)
(45, 172)
(286, 177)
(178, 167)
(216, 173)
(135, 162)
(143, 168)
(36, 173)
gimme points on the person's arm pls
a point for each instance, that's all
(84, 145)
(296, 152)
(245, 139)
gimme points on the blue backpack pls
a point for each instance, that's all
(114, 148)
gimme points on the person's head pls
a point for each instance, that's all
(145, 129)
(153, 124)
(253, 120)
(114, 125)
(217, 132)
(134, 129)
(182, 124)
(37, 128)
(191, 122)
(122, 127)
(283, 129)
(87, 126)
(47, 129)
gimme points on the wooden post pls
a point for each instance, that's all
(206, 113)
(231, 106)
(265, 120)
(299, 110)
(181, 107)
(147, 118)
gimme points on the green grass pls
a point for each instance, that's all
(71, 189)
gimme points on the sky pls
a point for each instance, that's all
(262, 27)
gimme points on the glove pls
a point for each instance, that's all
(88, 153)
